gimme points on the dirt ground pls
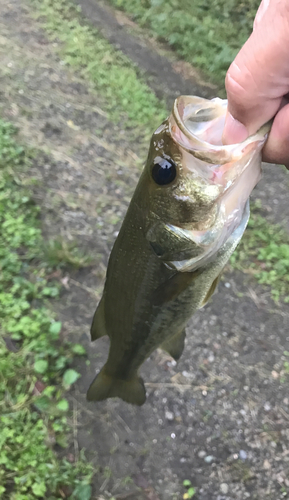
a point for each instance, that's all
(220, 417)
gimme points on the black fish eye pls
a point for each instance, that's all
(164, 172)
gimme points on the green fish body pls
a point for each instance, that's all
(175, 240)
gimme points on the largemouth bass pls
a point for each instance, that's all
(187, 215)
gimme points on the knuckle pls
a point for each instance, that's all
(235, 86)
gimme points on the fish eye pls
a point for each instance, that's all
(164, 172)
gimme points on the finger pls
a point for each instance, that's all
(260, 12)
(259, 76)
(276, 149)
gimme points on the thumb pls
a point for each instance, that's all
(259, 76)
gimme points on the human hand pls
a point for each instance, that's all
(257, 83)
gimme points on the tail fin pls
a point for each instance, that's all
(98, 324)
(104, 386)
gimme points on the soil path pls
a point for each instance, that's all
(166, 75)
(220, 417)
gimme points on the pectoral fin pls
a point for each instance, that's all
(173, 287)
(171, 243)
(98, 324)
(211, 290)
(105, 386)
(175, 345)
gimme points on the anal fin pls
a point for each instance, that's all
(104, 386)
(175, 345)
(97, 329)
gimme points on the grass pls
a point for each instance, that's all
(34, 363)
(128, 98)
(264, 252)
(206, 33)
(61, 253)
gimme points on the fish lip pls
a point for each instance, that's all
(211, 153)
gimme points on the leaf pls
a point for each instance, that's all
(41, 366)
(187, 482)
(61, 440)
(78, 349)
(191, 492)
(51, 291)
(55, 327)
(70, 376)
(39, 489)
(63, 405)
(42, 403)
(49, 390)
(61, 363)
(82, 492)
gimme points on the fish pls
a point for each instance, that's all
(189, 211)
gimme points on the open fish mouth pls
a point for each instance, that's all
(196, 126)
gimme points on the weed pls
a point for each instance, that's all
(190, 493)
(241, 471)
(127, 480)
(264, 252)
(60, 252)
(34, 365)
